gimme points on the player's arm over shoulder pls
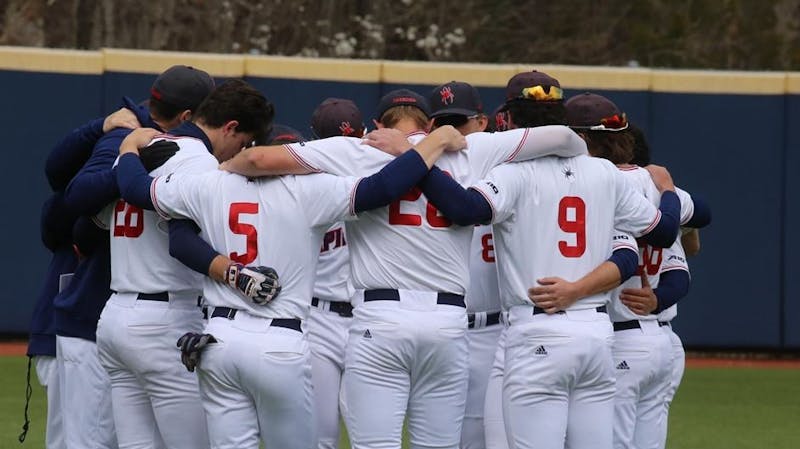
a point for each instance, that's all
(266, 161)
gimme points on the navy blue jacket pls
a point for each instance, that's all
(78, 307)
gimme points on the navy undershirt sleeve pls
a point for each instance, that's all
(186, 245)
(87, 237)
(701, 216)
(672, 286)
(69, 155)
(627, 261)
(666, 231)
(393, 180)
(134, 182)
(464, 207)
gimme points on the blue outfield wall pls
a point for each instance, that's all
(726, 137)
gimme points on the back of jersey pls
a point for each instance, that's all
(140, 260)
(275, 222)
(553, 217)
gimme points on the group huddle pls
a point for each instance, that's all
(218, 281)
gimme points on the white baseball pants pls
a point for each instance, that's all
(154, 397)
(642, 360)
(255, 383)
(678, 364)
(558, 389)
(481, 345)
(85, 395)
(327, 338)
(406, 356)
(493, 423)
(47, 372)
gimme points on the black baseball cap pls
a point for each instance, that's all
(455, 98)
(282, 134)
(533, 85)
(402, 97)
(182, 86)
(337, 117)
(595, 113)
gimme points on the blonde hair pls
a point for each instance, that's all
(395, 114)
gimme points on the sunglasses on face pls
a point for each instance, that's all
(453, 120)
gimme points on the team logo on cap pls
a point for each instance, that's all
(500, 122)
(346, 129)
(447, 95)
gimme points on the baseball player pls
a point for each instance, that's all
(558, 216)
(56, 229)
(155, 298)
(407, 351)
(459, 104)
(255, 379)
(85, 385)
(642, 351)
(331, 311)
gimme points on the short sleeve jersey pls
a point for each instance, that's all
(409, 244)
(277, 222)
(651, 259)
(140, 260)
(558, 217)
(483, 293)
(333, 282)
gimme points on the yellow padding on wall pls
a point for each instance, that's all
(433, 73)
(323, 69)
(719, 82)
(155, 62)
(595, 78)
(52, 61)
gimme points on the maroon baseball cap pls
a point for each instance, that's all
(533, 85)
(182, 86)
(402, 97)
(595, 113)
(282, 134)
(455, 98)
(337, 117)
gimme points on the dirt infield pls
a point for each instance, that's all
(19, 347)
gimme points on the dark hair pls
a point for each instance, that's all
(616, 146)
(529, 114)
(641, 150)
(237, 100)
(162, 111)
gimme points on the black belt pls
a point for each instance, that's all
(289, 323)
(160, 296)
(344, 309)
(538, 310)
(491, 319)
(390, 294)
(633, 324)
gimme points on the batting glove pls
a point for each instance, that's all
(191, 344)
(260, 284)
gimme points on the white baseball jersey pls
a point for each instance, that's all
(276, 222)
(557, 217)
(333, 269)
(674, 259)
(650, 258)
(483, 293)
(140, 260)
(409, 244)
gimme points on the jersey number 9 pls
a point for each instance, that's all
(572, 220)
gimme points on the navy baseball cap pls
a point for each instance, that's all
(533, 85)
(182, 86)
(337, 117)
(282, 134)
(455, 98)
(402, 97)
(595, 113)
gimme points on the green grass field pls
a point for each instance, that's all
(716, 408)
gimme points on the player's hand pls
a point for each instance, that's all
(554, 294)
(154, 156)
(191, 344)
(122, 118)
(138, 138)
(451, 138)
(641, 301)
(260, 284)
(388, 140)
(661, 177)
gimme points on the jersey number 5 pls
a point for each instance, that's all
(248, 230)
(128, 220)
(572, 220)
